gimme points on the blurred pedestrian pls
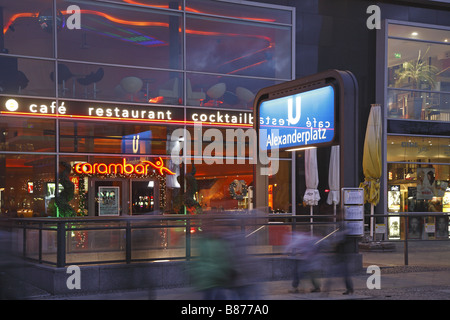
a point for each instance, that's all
(339, 261)
(245, 269)
(213, 271)
(305, 258)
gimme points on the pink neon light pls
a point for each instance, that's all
(121, 168)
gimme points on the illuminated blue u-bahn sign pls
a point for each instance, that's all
(299, 120)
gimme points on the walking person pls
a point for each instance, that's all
(305, 260)
(213, 272)
(339, 262)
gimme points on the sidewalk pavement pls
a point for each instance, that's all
(427, 277)
(397, 283)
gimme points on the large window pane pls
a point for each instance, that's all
(157, 4)
(25, 134)
(118, 138)
(418, 65)
(238, 47)
(123, 35)
(227, 187)
(222, 91)
(418, 188)
(27, 185)
(418, 33)
(418, 149)
(97, 82)
(27, 27)
(240, 11)
(217, 187)
(418, 105)
(418, 127)
(26, 76)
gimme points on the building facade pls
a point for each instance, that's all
(416, 128)
(136, 71)
(92, 92)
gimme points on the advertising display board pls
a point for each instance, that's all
(108, 201)
(353, 206)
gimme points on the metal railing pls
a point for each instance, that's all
(404, 234)
(98, 240)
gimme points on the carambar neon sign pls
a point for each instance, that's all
(142, 168)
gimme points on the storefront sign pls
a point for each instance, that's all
(299, 120)
(124, 168)
(152, 114)
(217, 117)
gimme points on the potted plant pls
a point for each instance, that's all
(417, 72)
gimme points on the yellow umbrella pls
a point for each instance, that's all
(372, 160)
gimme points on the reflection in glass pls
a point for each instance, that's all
(433, 106)
(238, 47)
(239, 11)
(27, 185)
(159, 4)
(26, 76)
(222, 91)
(112, 34)
(102, 137)
(28, 135)
(99, 82)
(31, 20)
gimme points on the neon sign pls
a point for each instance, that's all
(78, 110)
(142, 169)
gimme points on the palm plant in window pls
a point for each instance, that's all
(417, 72)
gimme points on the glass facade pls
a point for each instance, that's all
(417, 127)
(91, 94)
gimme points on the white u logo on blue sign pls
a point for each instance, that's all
(298, 103)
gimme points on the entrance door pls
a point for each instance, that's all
(144, 197)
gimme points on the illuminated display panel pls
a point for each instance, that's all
(300, 120)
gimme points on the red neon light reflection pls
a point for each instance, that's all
(121, 168)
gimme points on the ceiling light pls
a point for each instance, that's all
(414, 34)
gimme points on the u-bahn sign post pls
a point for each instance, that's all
(315, 111)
